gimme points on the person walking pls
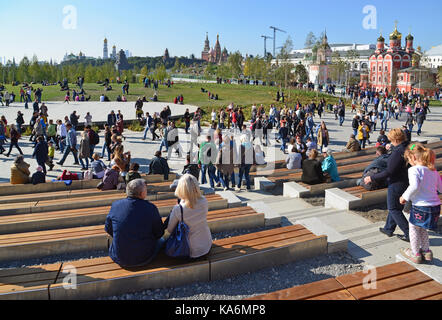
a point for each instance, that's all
(71, 145)
(41, 153)
(420, 118)
(323, 136)
(15, 136)
(397, 179)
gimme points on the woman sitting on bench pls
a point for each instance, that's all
(311, 170)
(194, 211)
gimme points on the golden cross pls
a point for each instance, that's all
(395, 24)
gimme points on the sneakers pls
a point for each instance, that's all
(237, 189)
(427, 256)
(407, 253)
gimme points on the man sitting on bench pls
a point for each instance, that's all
(136, 228)
(378, 165)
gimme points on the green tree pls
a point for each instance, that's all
(301, 73)
(284, 71)
(235, 64)
(223, 71)
(160, 72)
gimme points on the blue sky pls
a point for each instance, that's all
(147, 27)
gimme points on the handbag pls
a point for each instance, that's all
(177, 246)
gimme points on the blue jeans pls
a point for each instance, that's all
(164, 144)
(91, 151)
(419, 128)
(341, 120)
(224, 179)
(244, 170)
(384, 124)
(66, 153)
(145, 132)
(283, 144)
(395, 216)
(210, 169)
(309, 132)
(103, 150)
(82, 163)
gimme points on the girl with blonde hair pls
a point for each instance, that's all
(425, 183)
(194, 208)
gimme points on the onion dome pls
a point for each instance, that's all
(396, 35)
(410, 37)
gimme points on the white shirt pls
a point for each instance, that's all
(88, 120)
(213, 116)
(101, 98)
(424, 185)
(61, 130)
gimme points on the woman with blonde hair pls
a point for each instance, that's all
(396, 175)
(121, 159)
(194, 212)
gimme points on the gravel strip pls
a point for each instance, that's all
(256, 283)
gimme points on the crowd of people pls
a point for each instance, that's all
(224, 158)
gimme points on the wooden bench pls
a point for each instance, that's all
(358, 197)
(156, 187)
(399, 281)
(81, 239)
(101, 277)
(83, 217)
(7, 189)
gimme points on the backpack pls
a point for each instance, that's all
(95, 138)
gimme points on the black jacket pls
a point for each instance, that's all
(312, 172)
(397, 169)
(159, 166)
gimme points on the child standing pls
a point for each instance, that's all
(425, 183)
(51, 154)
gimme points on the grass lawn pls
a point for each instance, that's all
(240, 95)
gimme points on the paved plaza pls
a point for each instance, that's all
(143, 151)
(98, 110)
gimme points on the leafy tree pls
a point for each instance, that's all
(301, 73)
(284, 72)
(235, 64)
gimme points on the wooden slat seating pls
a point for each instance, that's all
(350, 164)
(156, 187)
(81, 239)
(399, 281)
(96, 200)
(85, 216)
(374, 197)
(7, 189)
(348, 181)
(101, 277)
(342, 170)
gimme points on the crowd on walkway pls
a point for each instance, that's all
(232, 145)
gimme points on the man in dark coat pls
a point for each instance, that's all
(41, 153)
(159, 165)
(136, 228)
